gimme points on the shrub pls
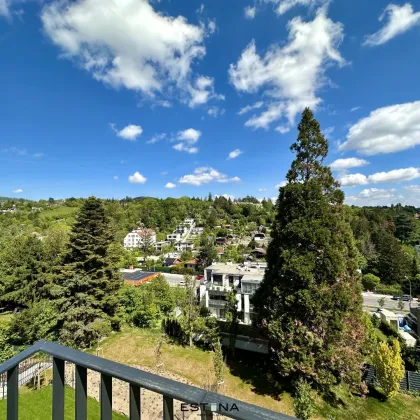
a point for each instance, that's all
(303, 402)
(370, 281)
(375, 321)
(388, 290)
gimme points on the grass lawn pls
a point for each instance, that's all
(59, 212)
(36, 405)
(245, 379)
(381, 335)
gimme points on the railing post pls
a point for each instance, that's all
(81, 393)
(168, 408)
(135, 403)
(12, 392)
(58, 389)
(106, 397)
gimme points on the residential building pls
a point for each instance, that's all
(136, 277)
(159, 246)
(191, 264)
(417, 215)
(135, 238)
(189, 222)
(258, 253)
(197, 230)
(221, 278)
(173, 237)
(181, 229)
(183, 246)
(259, 236)
(169, 262)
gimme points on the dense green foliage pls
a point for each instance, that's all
(309, 302)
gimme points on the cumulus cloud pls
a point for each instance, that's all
(130, 132)
(250, 12)
(202, 91)
(18, 191)
(282, 184)
(127, 44)
(234, 153)
(170, 185)
(215, 111)
(291, 74)
(4, 8)
(205, 175)
(373, 196)
(137, 178)
(343, 164)
(156, 138)
(186, 139)
(283, 6)
(248, 108)
(398, 19)
(386, 130)
(116, 177)
(396, 175)
(282, 129)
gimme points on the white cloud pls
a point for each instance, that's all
(127, 44)
(234, 153)
(248, 108)
(115, 177)
(355, 108)
(164, 173)
(250, 12)
(205, 175)
(212, 26)
(283, 6)
(215, 111)
(386, 130)
(227, 196)
(187, 138)
(343, 164)
(4, 8)
(137, 178)
(170, 185)
(18, 191)
(202, 91)
(38, 155)
(262, 189)
(413, 188)
(396, 175)
(399, 19)
(282, 129)
(156, 138)
(282, 184)
(292, 74)
(130, 132)
(373, 196)
(328, 131)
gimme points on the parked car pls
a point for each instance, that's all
(396, 297)
(406, 298)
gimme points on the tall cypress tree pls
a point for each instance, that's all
(89, 280)
(309, 302)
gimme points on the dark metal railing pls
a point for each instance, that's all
(136, 379)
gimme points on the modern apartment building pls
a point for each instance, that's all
(135, 238)
(220, 278)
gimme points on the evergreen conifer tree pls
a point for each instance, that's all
(309, 302)
(89, 280)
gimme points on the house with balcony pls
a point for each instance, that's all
(183, 246)
(135, 238)
(219, 279)
(173, 237)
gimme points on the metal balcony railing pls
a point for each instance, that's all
(209, 402)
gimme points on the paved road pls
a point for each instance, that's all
(371, 299)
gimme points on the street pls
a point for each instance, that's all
(371, 300)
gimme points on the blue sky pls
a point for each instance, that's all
(170, 98)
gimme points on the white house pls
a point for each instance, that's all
(189, 222)
(183, 246)
(220, 278)
(173, 237)
(135, 238)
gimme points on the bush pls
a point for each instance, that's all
(375, 321)
(303, 402)
(370, 281)
(388, 290)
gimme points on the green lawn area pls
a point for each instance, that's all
(245, 379)
(36, 405)
(59, 212)
(381, 335)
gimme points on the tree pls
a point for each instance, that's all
(89, 280)
(401, 304)
(303, 401)
(389, 367)
(207, 254)
(370, 281)
(190, 309)
(232, 318)
(146, 243)
(309, 303)
(6, 349)
(404, 226)
(381, 302)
